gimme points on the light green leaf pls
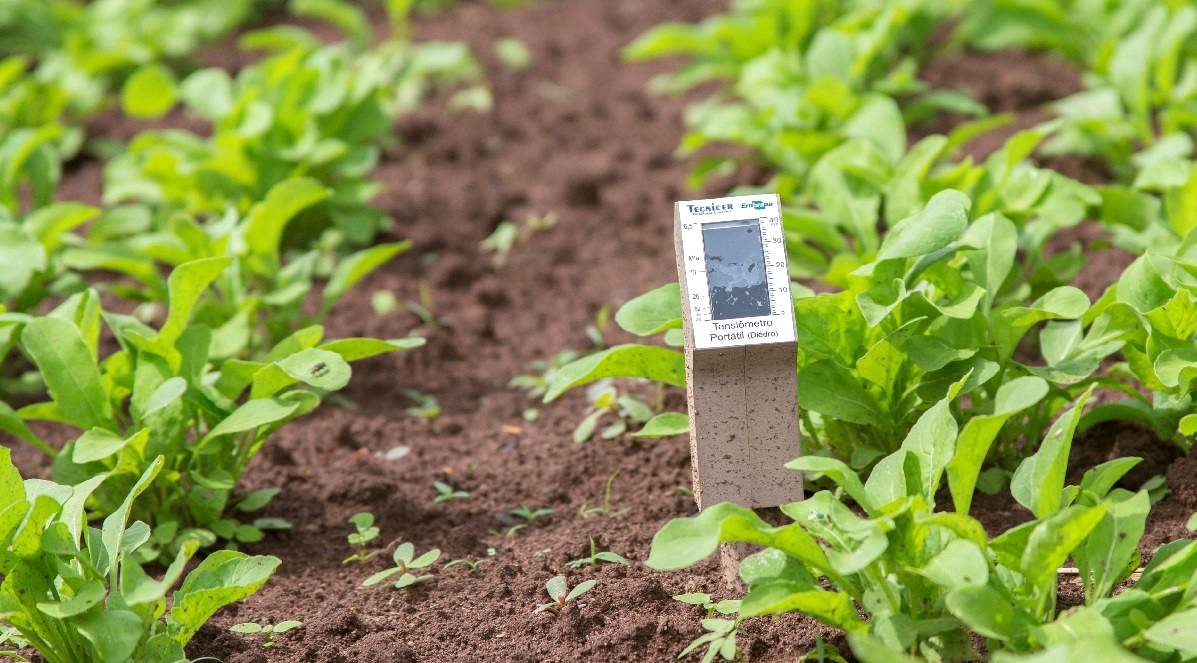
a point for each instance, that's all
(223, 577)
(69, 370)
(666, 424)
(653, 312)
(113, 633)
(1038, 483)
(356, 267)
(185, 284)
(149, 92)
(643, 361)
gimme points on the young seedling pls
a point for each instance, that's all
(561, 594)
(501, 241)
(426, 406)
(445, 492)
(585, 511)
(535, 385)
(531, 515)
(596, 557)
(405, 561)
(268, 631)
(366, 532)
(423, 307)
(724, 607)
(471, 565)
(606, 400)
(720, 639)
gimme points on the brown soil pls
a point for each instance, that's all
(576, 136)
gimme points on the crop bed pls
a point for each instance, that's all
(577, 135)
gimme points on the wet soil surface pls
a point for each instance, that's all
(577, 138)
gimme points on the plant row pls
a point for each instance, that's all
(174, 329)
(942, 335)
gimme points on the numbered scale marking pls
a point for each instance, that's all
(737, 277)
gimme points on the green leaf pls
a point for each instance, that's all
(113, 530)
(1105, 558)
(11, 422)
(666, 424)
(1054, 538)
(1176, 632)
(932, 440)
(1038, 483)
(580, 589)
(777, 597)
(653, 312)
(253, 414)
(831, 390)
(960, 564)
(939, 224)
(185, 284)
(21, 257)
(149, 92)
(222, 578)
(1011, 324)
(642, 361)
(113, 633)
(98, 444)
(838, 472)
(70, 372)
(320, 369)
(986, 611)
(978, 435)
(256, 499)
(208, 92)
(91, 593)
(870, 649)
(356, 267)
(353, 349)
(268, 219)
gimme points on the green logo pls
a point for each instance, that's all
(758, 205)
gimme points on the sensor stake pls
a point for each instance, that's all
(741, 350)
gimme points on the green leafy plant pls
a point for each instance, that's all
(406, 561)
(724, 607)
(597, 556)
(529, 515)
(607, 509)
(445, 492)
(78, 593)
(606, 400)
(926, 578)
(163, 393)
(559, 591)
(311, 109)
(267, 631)
(366, 531)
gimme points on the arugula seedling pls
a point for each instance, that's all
(720, 639)
(501, 241)
(268, 631)
(445, 492)
(531, 515)
(405, 561)
(585, 511)
(558, 590)
(535, 385)
(471, 564)
(366, 532)
(596, 557)
(605, 400)
(423, 308)
(724, 607)
(513, 53)
(426, 407)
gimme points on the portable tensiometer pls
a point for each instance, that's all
(741, 351)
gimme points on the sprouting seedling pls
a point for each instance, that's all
(366, 532)
(405, 561)
(596, 331)
(423, 308)
(445, 492)
(596, 557)
(531, 515)
(426, 406)
(501, 241)
(559, 591)
(268, 631)
(536, 384)
(605, 399)
(471, 565)
(585, 511)
(724, 607)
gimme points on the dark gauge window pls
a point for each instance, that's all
(735, 262)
